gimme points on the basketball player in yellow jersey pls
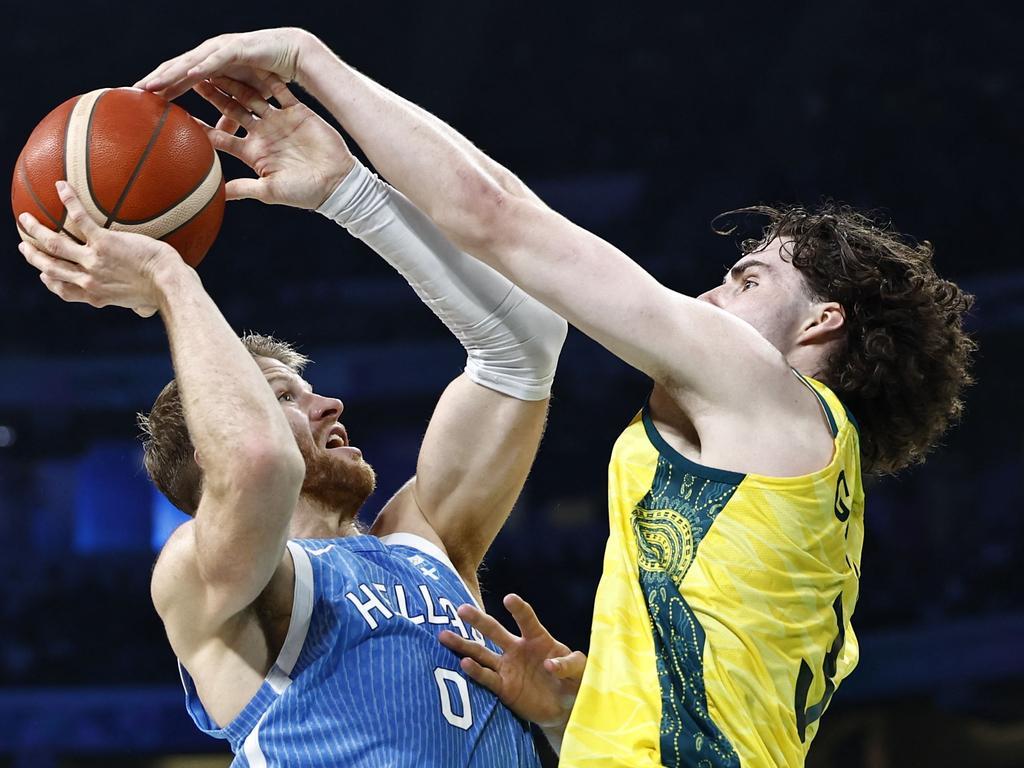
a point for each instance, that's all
(722, 622)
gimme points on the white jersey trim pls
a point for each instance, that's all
(279, 676)
(251, 746)
(302, 610)
(428, 548)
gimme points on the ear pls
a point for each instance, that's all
(195, 455)
(827, 322)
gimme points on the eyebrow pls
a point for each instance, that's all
(290, 380)
(743, 266)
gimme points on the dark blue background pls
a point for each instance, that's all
(641, 123)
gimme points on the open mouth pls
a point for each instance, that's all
(337, 437)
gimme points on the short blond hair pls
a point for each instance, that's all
(168, 451)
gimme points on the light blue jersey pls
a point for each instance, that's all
(362, 680)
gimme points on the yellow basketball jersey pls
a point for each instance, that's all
(722, 620)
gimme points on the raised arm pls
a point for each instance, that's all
(484, 433)
(485, 430)
(217, 564)
(485, 210)
(488, 212)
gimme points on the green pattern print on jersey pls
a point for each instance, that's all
(670, 522)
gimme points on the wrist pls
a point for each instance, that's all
(169, 276)
(333, 179)
(352, 192)
(312, 56)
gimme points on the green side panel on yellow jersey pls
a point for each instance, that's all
(669, 524)
(722, 621)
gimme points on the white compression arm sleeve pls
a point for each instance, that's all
(512, 341)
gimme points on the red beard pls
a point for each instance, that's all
(339, 483)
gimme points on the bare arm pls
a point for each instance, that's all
(252, 470)
(484, 210)
(473, 462)
(485, 430)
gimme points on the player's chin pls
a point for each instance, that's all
(359, 475)
(341, 483)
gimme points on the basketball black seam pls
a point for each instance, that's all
(112, 216)
(192, 217)
(72, 236)
(175, 204)
(23, 172)
(61, 230)
(23, 168)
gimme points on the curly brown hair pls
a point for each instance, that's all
(168, 452)
(907, 358)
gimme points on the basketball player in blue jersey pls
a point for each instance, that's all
(301, 640)
(722, 621)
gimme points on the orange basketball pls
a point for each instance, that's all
(138, 163)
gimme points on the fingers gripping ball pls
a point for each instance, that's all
(138, 162)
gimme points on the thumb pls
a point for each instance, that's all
(245, 189)
(222, 138)
(567, 667)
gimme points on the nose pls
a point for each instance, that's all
(326, 408)
(711, 297)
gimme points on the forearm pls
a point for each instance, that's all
(441, 172)
(252, 470)
(487, 212)
(466, 481)
(512, 341)
(230, 410)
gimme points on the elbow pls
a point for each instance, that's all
(555, 339)
(550, 331)
(279, 466)
(483, 217)
(263, 471)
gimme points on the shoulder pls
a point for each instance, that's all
(192, 607)
(403, 516)
(775, 425)
(175, 567)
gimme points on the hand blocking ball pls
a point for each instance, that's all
(138, 163)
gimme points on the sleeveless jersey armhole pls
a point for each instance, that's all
(279, 676)
(430, 549)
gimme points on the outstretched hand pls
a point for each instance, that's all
(277, 51)
(535, 676)
(298, 157)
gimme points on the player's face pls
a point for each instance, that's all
(336, 474)
(768, 292)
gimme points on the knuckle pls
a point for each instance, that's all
(94, 301)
